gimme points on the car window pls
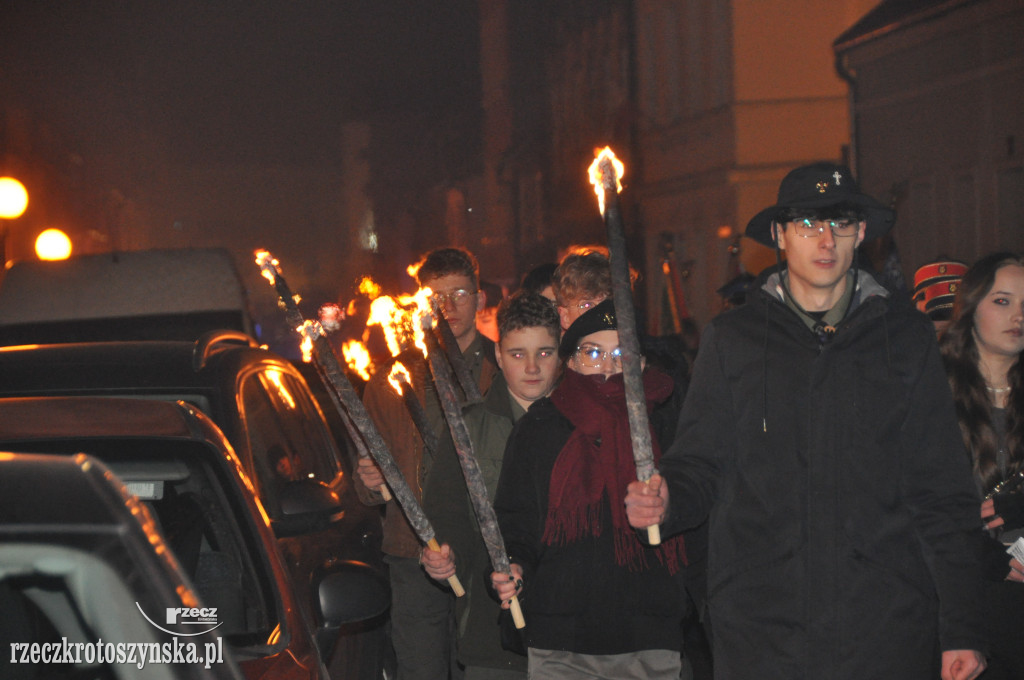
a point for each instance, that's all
(287, 434)
(207, 527)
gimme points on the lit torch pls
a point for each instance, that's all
(399, 379)
(605, 174)
(486, 518)
(357, 357)
(347, 396)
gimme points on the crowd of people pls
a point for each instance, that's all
(838, 482)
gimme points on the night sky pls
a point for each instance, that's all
(261, 79)
(165, 101)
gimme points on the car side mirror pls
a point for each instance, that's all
(352, 592)
(306, 506)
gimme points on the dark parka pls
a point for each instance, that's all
(843, 519)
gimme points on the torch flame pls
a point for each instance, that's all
(398, 375)
(400, 319)
(605, 168)
(268, 265)
(369, 288)
(270, 268)
(307, 349)
(357, 357)
(310, 331)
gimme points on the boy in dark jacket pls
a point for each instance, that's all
(818, 435)
(527, 353)
(597, 602)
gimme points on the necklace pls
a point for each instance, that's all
(997, 390)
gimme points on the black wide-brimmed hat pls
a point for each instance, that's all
(600, 317)
(817, 186)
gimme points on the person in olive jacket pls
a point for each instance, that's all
(527, 353)
(819, 434)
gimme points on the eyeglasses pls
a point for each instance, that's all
(454, 297)
(586, 304)
(592, 357)
(808, 228)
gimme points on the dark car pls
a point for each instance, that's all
(174, 460)
(81, 562)
(265, 408)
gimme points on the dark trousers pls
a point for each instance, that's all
(422, 622)
(1004, 607)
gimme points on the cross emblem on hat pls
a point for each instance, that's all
(837, 177)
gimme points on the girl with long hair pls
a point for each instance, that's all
(982, 349)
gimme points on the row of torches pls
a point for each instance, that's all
(405, 321)
(400, 317)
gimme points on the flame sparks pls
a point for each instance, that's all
(597, 169)
(399, 376)
(357, 357)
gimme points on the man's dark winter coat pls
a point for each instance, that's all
(843, 519)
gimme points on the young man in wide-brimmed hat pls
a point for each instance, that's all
(819, 438)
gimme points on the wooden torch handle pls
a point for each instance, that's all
(654, 534)
(453, 580)
(384, 492)
(517, 612)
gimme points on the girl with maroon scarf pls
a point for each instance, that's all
(597, 601)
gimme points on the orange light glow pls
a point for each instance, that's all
(357, 357)
(13, 198)
(724, 231)
(397, 375)
(274, 376)
(596, 172)
(53, 245)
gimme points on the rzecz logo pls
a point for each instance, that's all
(204, 615)
(188, 616)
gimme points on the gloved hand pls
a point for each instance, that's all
(1010, 506)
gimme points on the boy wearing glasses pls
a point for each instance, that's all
(527, 353)
(597, 602)
(819, 435)
(421, 611)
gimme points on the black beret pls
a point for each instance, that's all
(600, 317)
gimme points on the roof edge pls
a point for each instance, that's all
(864, 30)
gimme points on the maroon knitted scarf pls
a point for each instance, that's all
(596, 464)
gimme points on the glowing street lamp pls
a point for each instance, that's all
(13, 198)
(13, 201)
(53, 244)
